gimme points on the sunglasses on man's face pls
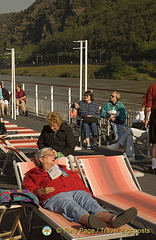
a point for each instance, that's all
(112, 96)
(87, 95)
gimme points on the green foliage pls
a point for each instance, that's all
(73, 71)
(146, 67)
(113, 68)
(120, 27)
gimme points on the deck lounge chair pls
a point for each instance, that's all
(113, 183)
(16, 225)
(69, 230)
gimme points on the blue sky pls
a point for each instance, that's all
(7, 6)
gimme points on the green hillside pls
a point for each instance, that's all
(47, 29)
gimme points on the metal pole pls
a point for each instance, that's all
(52, 98)
(81, 62)
(13, 84)
(36, 93)
(69, 103)
(86, 62)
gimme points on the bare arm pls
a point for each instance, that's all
(147, 113)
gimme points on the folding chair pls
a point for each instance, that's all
(70, 230)
(142, 147)
(106, 132)
(23, 134)
(10, 235)
(10, 152)
(113, 184)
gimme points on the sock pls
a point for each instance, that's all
(153, 163)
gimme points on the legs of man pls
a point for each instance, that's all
(121, 130)
(154, 156)
(132, 135)
(21, 103)
(17, 106)
(127, 140)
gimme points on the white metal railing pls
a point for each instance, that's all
(43, 98)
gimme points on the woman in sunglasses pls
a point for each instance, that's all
(89, 111)
(114, 109)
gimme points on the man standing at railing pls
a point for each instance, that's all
(150, 109)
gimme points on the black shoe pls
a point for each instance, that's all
(95, 146)
(88, 147)
(95, 222)
(125, 217)
(150, 170)
(26, 113)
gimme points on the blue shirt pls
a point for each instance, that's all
(1, 95)
(86, 108)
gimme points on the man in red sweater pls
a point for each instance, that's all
(150, 120)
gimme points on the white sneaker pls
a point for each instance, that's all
(114, 146)
(131, 159)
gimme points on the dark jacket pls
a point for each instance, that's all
(61, 141)
(37, 178)
(5, 94)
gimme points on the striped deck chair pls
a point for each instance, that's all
(113, 183)
(69, 230)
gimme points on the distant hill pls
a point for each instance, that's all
(48, 28)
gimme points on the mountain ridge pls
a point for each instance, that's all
(122, 27)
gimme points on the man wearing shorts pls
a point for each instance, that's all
(150, 106)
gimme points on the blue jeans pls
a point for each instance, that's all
(87, 128)
(73, 205)
(118, 130)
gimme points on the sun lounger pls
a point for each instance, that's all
(10, 152)
(70, 230)
(113, 183)
(23, 134)
(10, 125)
(12, 234)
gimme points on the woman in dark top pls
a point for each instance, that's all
(58, 135)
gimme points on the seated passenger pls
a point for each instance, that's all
(115, 111)
(62, 191)
(130, 135)
(20, 100)
(58, 135)
(89, 111)
(4, 100)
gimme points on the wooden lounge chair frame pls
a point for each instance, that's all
(114, 184)
(68, 230)
(17, 210)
